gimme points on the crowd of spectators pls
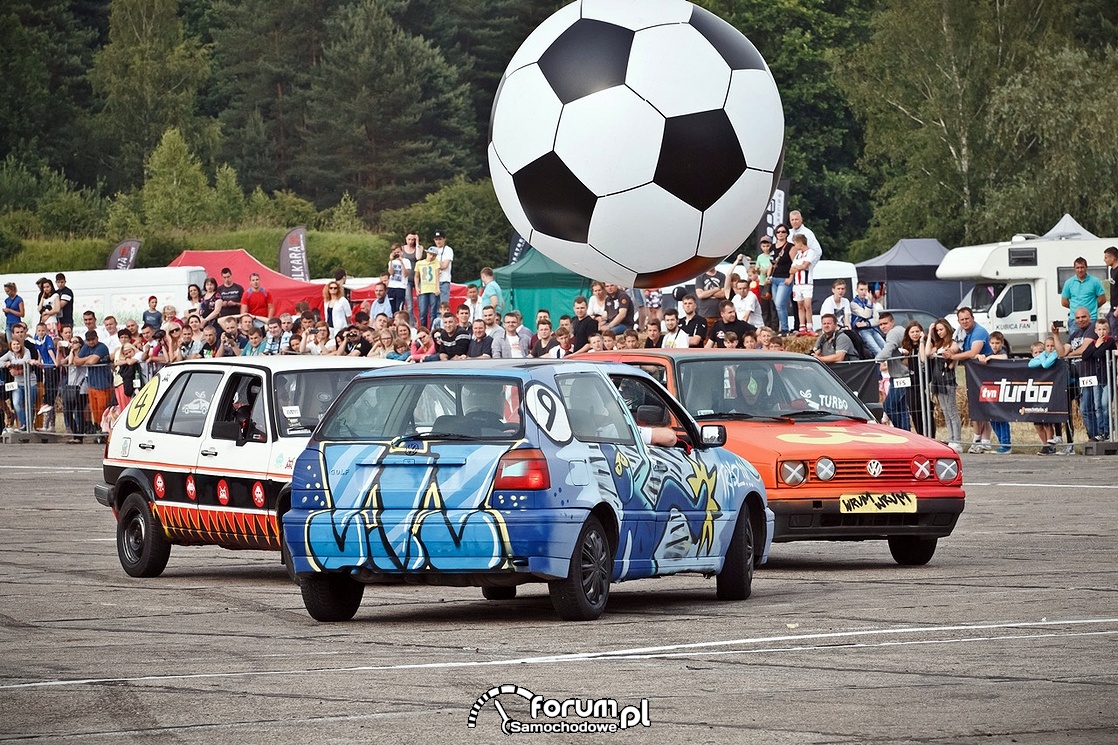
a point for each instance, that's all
(98, 367)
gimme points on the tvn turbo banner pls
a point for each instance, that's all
(1011, 391)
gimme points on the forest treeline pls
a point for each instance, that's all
(963, 120)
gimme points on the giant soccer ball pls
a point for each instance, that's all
(636, 141)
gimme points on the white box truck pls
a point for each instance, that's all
(123, 293)
(1017, 283)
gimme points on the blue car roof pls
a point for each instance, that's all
(521, 369)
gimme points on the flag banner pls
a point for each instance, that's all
(293, 254)
(518, 247)
(1011, 391)
(775, 214)
(123, 256)
(861, 377)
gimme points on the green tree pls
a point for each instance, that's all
(176, 194)
(477, 37)
(43, 89)
(265, 52)
(388, 119)
(1058, 112)
(148, 77)
(924, 86)
(229, 198)
(801, 40)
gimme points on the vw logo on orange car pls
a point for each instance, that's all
(874, 468)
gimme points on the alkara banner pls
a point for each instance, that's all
(293, 254)
(123, 256)
(1011, 391)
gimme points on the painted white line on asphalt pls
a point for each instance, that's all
(673, 650)
(1041, 486)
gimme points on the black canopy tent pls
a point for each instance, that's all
(909, 271)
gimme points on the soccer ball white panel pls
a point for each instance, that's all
(755, 111)
(729, 222)
(525, 117)
(677, 70)
(637, 14)
(611, 139)
(637, 227)
(506, 194)
(582, 259)
(547, 32)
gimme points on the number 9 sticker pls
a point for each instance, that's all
(548, 412)
(141, 403)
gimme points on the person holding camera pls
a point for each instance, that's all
(399, 277)
(49, 303)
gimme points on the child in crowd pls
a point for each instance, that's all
(152, 317)
(730, 339)
(1096, 419)
(1044, 355)
(863, 316)
(1001, 428)
(399, 351)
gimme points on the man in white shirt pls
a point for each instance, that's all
(509, 342)
(796, 220)
(746, 304)
(673, 336)
(837, 304)
(446, 258)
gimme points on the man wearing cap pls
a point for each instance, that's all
(427, 286)
(446, 257)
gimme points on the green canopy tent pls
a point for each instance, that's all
(535, 283)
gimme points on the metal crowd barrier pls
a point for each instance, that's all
(59, 406)
(863, 377)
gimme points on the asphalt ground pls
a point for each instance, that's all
(1009, 635)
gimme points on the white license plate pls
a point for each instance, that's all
(868, 502)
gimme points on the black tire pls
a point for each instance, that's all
(912, 550)
(499, 593)
(735, 581)
(583, 595)
(140, 543)
(331, 597)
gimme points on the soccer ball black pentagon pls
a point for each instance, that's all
(636, 141)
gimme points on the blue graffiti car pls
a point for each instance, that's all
(498, 473)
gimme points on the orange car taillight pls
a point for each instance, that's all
(522, 470)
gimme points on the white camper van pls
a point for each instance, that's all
(1018, 282)
(123, 293)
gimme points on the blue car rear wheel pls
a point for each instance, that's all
(583, 594)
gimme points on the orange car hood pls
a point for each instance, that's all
(834, 439)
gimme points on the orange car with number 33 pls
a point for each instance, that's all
(831, 471)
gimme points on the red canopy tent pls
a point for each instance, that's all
(286, 292)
